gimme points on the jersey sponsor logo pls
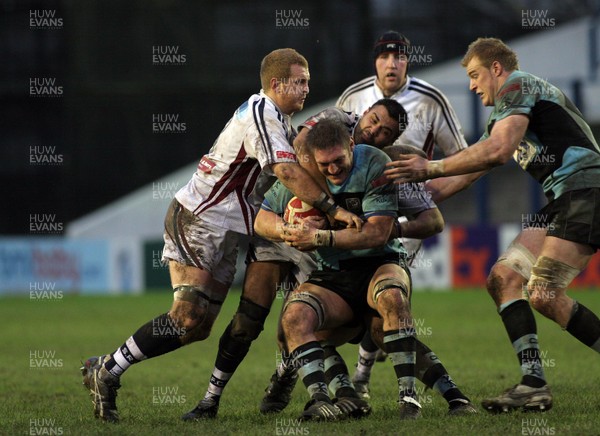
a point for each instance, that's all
(285, 155)
(206, 165)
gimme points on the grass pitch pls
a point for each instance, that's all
(44, 340)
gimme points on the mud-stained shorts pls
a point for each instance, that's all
(191, 241)
(263, 250)
(574, 216)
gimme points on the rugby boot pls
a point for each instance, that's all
(103, 388)
(279, 393)
(520, 397)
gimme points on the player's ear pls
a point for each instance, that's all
(351, 144)
(497, 68)
(274, 84)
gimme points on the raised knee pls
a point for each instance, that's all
(503, 281)
(199, 333)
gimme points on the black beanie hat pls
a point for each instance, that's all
(390, 41)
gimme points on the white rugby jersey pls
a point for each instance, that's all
(431, 119)
(229, 184)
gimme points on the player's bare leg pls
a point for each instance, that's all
(309, 309)
(506, 285)
(432, 373)
(259, 289)
(559, 261)
(195, 294)
(389, 294)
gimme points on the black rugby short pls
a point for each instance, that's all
(574, 216)
(351, 282)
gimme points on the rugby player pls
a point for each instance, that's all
(207, 216)
(354, 268)
(535, 123)
(270, 264)
(431, 121)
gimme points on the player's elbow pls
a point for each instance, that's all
(431, 223)
(286, 172)
(258, 229)
(289, 173)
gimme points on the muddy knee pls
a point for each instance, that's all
(510, 273)
(391, 295)
(495, 285)
(294, 311)
(189, 307)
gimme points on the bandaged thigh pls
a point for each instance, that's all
(551, 274)
(518, 258)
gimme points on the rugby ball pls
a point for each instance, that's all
(297, 209)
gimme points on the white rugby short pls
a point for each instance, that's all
(190, 240)
(262, 250)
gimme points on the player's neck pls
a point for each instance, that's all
(390, 92)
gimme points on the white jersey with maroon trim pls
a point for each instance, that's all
(431, 119)
(229, 185)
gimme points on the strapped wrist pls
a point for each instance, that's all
(435, 168)
(324, 238)
(325, 204)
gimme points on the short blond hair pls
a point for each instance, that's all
(278, 63)
(488, 50)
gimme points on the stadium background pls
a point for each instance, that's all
(106, 107)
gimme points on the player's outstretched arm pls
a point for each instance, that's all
(445, 187)
(303, 186)
(484, 155)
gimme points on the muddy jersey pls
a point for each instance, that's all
(229, 184)
(431, 119)
(559, 149)
(365, 192)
